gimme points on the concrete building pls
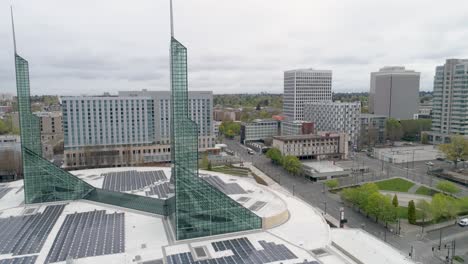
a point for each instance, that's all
(449, 110)
(304, 86)
(322, 146)
(226, 114)
(323, 170)
(130, 129)
(10, 158)
(372, 130)
(297, 127)
(51, 132)
(259, 130)
(394, 92)
(336, 117)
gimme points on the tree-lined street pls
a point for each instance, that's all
(315, 194)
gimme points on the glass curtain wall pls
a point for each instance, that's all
(200, 209)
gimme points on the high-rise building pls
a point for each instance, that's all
(394, 92)
(130, 129)
(200, 111)
(372, 130)
(335, 117)
(304, 86)
(449, 104)
(200, 209)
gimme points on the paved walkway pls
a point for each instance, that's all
(414, 188)
(404, 198)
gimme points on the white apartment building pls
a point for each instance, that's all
(130, 129)
(394, 92)
(336, 117)
(304, 86)
(321, 146)
(449, 103)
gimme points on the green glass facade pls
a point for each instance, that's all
(43, 181)
(200, 209)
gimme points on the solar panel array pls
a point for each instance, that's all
(20, 260)
(161, 190)
(257, 205)
(26, 234)
(122, 181)
(243, 252)
(88, 234)
(4, 191)
(227, 188)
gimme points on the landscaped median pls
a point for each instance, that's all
(389, 200)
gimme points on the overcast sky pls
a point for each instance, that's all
(91, 47)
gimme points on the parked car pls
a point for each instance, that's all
(439, 158)
(463, 222)
(430, 163)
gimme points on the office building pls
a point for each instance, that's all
(305, 86)
(321, 146)
(394, 92)
(449, 104)
(227, 114)
(335, 116)
(10, 158)
(297, 127)
(372, 130)
(259, 130)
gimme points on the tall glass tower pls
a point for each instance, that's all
(43, 181)
(200, 209)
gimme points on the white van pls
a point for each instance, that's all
(463, 222)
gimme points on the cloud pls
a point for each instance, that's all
(233, 46)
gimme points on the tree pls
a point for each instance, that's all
(447, 187)
(375, 205)
(395, 201)
(350, 195)
(332, 183)
(456, 150)
(443, 206)
(205, 162)
(229, 128)
(425, 209)
(411, 212)
(209, 166)
(292, 164)
(424, 138)
(412, 128)
(364, 192)
(389, 211)
(393, 129)
(275, 155)
(258, 108)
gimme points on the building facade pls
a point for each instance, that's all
(372, 131)
(297, 127)
(322, 146)
(394, 92)
(259, 130)
(129, 129)
(305, 86)
(449, 103)
(335, 116)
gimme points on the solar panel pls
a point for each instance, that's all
(88, 234)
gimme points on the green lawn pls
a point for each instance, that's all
(232, 171)
(403, 213)
(396, 185)
(423, 190)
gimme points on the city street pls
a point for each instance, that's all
(314, 194)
